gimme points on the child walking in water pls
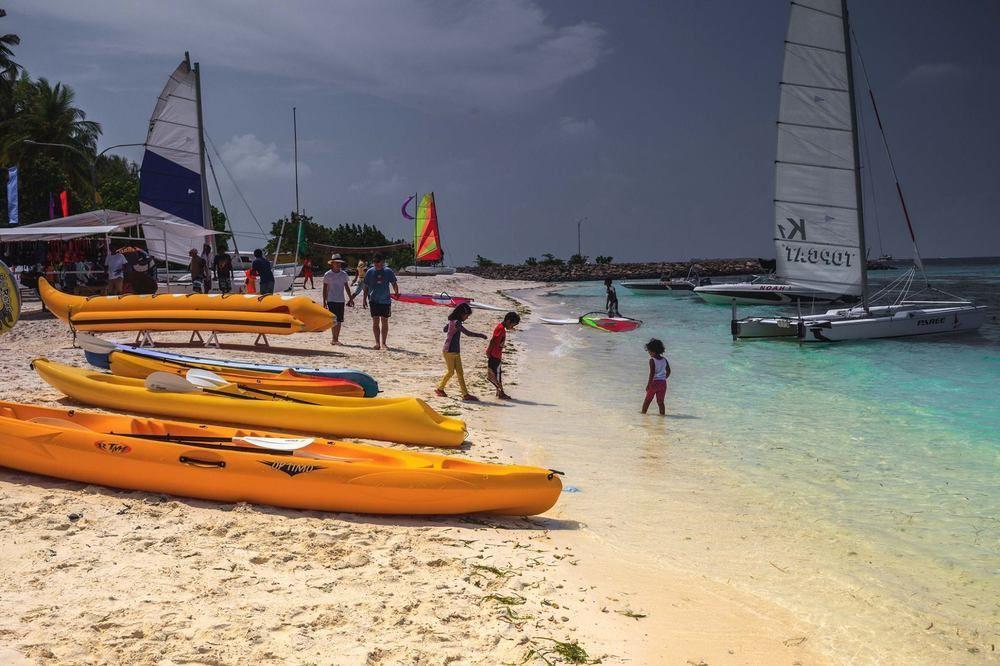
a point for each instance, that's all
(659, 370)
(494, 352)
(453, 353)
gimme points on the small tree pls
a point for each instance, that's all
(531, 261)
(603, 260)
(578, 259)
(549, 259)
(483, 262)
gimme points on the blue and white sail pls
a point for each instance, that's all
(171, 179)
(816, 230)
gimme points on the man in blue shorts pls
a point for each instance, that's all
(376, 293)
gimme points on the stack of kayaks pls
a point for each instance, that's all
(234, 313)
(100, 352)
(403, 420)
(239, 465)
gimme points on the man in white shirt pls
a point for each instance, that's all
(116, 272)
(335, 292)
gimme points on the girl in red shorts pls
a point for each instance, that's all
(659, 370)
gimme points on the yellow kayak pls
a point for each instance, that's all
(312, 316)
(187, 320)
(403, 420)
(218, 463)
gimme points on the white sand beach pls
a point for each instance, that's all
(98, 575)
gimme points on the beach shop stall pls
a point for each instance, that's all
(73, 249)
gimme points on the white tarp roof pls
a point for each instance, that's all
(102, 222)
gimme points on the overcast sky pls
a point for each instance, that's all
(655, 120)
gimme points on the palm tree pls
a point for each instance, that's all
(8, 68)
(46, 114)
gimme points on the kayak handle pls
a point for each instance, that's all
(202, 463)
(553, 472)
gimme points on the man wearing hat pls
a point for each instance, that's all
(335, 293)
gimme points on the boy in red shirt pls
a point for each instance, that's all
(494, 352)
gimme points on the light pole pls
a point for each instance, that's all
(93, 162)
(579, 236)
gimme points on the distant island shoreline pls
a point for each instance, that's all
(653, 270)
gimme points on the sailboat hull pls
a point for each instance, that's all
(427, 270)
(751, 293)
(853, 324)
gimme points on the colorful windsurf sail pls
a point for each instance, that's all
(428, 237)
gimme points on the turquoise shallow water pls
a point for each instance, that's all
(870, 469)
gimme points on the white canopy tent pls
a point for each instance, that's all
(106, 222)
(158, 232)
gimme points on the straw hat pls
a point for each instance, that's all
(336, 259)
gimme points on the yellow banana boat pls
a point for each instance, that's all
(215, 463)
(187, 320)
(403, 420)
(313, 316)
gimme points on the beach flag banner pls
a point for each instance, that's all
(428, 236)
(303, 248)
(64, 203)
(52, 206)
(10, 299)
(12, 195)
(406, 203)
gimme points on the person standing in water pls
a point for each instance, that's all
(377, 280)
(659, 370)
(454, 330)
(612, 299)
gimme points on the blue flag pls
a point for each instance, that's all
(12, 195)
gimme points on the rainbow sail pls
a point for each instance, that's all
(428, 237)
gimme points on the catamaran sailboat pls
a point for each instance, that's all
(819, 212)
(426, 239)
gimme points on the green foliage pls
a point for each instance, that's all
(578, 259)
(219, 223)
(603, 260)
(482, 261)
(531, 261)
(549, 259)
(41, 111)
(345, 235)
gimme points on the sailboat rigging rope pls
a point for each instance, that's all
(871, 181)
(892, 166)
(236, 185)
(222, 202)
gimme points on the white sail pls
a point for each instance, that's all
(815, 207)
(171, 184)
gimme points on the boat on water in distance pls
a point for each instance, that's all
(766, 290)
(819, 207)
(668, 285)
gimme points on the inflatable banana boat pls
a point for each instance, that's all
(170, 312)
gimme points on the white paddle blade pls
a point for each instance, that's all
(204, 378)
(164, 382)
(485, 306)
(277, 443)
(94, 344)
(560, 321)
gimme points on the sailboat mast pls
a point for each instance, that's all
(862, 249)
(205, 209)
(298, 215)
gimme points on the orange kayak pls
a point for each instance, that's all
(216, 463)
(140, 367)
